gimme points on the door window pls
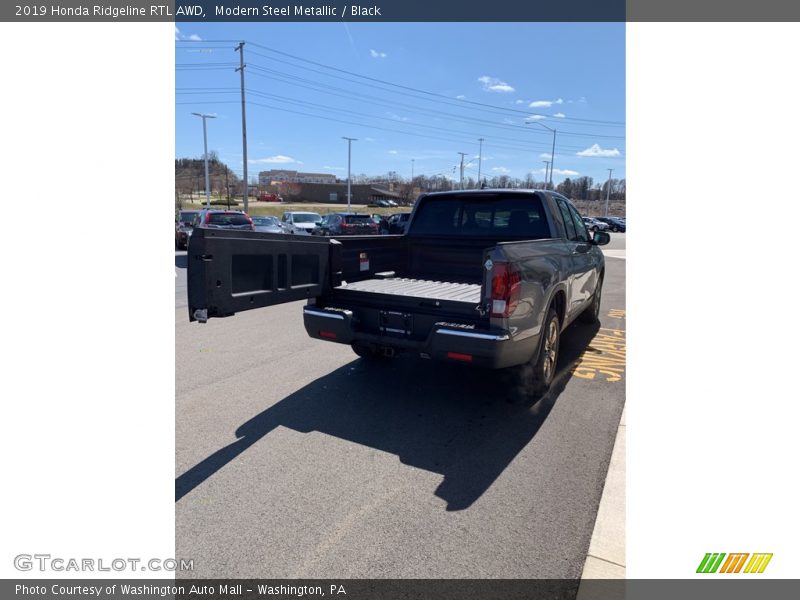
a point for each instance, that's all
(580, 226)
(569, 226)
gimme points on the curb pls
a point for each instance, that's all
(606, 556)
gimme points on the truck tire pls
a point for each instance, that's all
(592, 312)
(532, 380)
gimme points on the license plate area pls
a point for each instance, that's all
(396, 323)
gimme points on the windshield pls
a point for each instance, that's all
(227, 219)
(355, 219)
(265, 221)
(492, 215)
(306, 218)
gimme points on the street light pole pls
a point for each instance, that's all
(608, 190)
(480, 160)
(205, 154)
(461, 182)
(349, 142)
(552, 153)
(546, 170)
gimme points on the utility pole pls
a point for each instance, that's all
(552, 153)
(480, 160)
(463, 154)
(412, 172)
(349, 142)
(608, 190)
(546, 169)
(227, 189)
(205, 154)
(552, 159)
(240, 50)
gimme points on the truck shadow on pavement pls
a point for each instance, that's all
(441, 417)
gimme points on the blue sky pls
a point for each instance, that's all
(570, 77)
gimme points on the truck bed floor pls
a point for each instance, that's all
(417, 288)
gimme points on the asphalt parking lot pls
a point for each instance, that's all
(296, 460)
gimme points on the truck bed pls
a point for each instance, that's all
(467, 293)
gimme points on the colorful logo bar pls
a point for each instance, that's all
(713, 562)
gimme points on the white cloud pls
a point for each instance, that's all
(392, 151)
(559, 115)
(179, 36)
(376, 54)
(596, 150)
(369, 139)
(508, 121)
(492, 84)
(461, 97)
(278, 159)
(536, 117)
(519, 102)
(545, 155)
(581, 100)
(565, 172)
(502, 170)
(333, 168)
(545, 103)
(392, 115)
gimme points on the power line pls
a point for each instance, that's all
(405, 87)
(520, 145)
(391, 104)
(319, 86)
(463, 103)
(439, 138)
(360, 114)
(376, 127)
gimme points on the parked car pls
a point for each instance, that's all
(593, 224)
(614, 223)
(223, 219)
(398, 222)
(183, 228)
(300, 222)
(267, 224)
(337, 224)
(448, 289)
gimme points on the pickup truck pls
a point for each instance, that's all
(485, 277)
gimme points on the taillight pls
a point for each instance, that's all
(505, 290)
(252, 225)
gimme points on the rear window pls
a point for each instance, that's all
(306, 218)
(265, 221)
(186, 216)
(516, 216)
(354, 219)
(227, 219)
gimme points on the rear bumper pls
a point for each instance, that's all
(490, 349)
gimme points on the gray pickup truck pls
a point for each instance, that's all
(485, 277)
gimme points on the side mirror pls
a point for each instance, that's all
(600, 238)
